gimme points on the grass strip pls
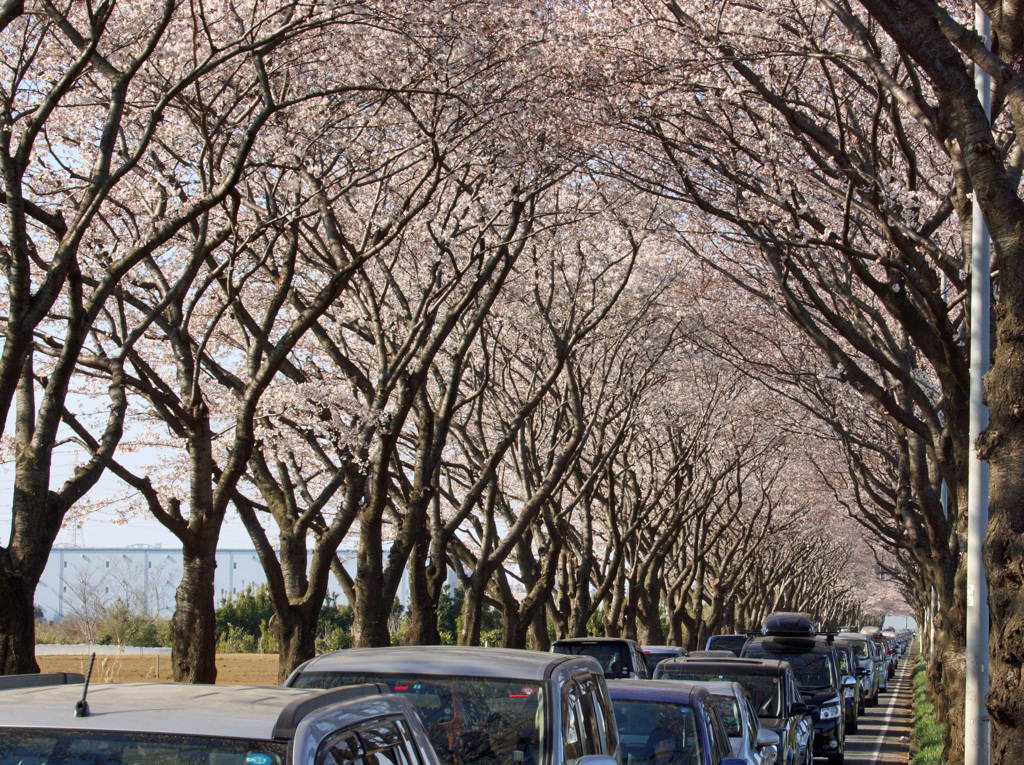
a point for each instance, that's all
(926, 737)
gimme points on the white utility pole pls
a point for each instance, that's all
(976, 722)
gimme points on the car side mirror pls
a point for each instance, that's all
(604, 759)
(766, 737)
(798, 708)
(849, 682)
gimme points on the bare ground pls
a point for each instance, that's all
(232, 668)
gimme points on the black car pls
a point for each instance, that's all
(732, 643)
(619, 657)
(655, 654)
(773, 693)
(791, 637)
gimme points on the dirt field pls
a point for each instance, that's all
(232, 668)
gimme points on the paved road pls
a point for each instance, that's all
(883, 735)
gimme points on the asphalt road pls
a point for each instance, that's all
(883, 735)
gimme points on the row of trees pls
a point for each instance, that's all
(613, 311)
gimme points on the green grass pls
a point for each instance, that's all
(926, 746)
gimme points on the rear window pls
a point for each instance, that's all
(657, 732)
(614, 659)
(813, 670)
(732, 643)
(765, 690)
(28, 746)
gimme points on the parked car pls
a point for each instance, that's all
(773, 693)
(618, 657)
(868, 667)
(791, 637)
(732, 643)
(750, 742)
(669, 722)
(146, 723)
(874, 634)
(851, 691)
(490, 706)
(655, 654)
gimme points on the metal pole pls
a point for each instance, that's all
(976, 722)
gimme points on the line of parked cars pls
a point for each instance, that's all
(789, 695)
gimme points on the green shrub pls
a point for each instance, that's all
(926, 739)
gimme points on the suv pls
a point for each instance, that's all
(732, 643)
(655, 654)
(144, 723)
(487, 705)
(791, 637)
(618, 657)
(773, 693)
(868, 667)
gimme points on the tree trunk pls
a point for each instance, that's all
(1003, 445)
(540, 640)
(193, 626)
(421, 628)
(296, 638)
(18, 629)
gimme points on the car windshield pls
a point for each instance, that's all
(763, 689)
(491, 721)
(813, 670)
(730, 712)
(614, 659)
(28, 746)
(860, 650)
(732, 643)
(657, 733)
(844, 662)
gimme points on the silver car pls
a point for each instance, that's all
(750, 742)
(488, 706)
(147, 723)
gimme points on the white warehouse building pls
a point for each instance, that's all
(79, 579)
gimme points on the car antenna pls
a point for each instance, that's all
(82, 706)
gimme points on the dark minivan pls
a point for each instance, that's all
(791, 637)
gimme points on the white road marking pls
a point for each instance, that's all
(892, 706)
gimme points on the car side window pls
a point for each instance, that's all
(384, 742)
(572, 724)
(751, 721)
(592, 715)
(715, 731)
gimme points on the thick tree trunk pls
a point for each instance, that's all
(1003, 445)
(18, 628)
(193, 626)
(540, 640)
(421, 628)
(296, 638)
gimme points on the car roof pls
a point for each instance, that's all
(451, 661)
(592, 641)
(671, 691)
(723, 688)
(228, 711)
(662, 649)
(749, 666)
